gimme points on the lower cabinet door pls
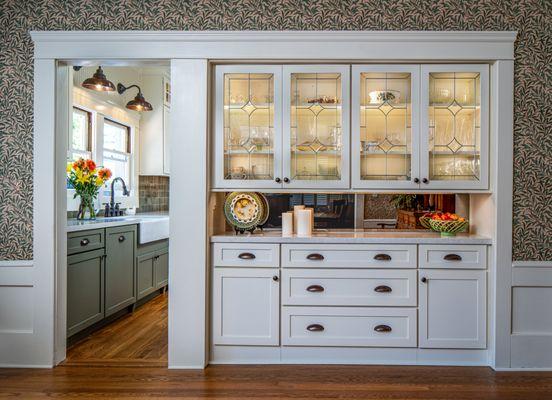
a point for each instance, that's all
(85, 290)
(349, 326)
(120, 268)
(246, 304)
(161, 269)
(145, 274)
(453, 309)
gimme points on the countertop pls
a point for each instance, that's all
(352, 236)
(74, 225)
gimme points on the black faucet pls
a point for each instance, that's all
(112, 209)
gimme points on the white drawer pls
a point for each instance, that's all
(246, 255)
(345, 287)
(453, 256)
(349, 326)
(348, 256)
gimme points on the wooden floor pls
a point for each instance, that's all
(127, 360)
(137, 339)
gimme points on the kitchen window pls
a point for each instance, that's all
(116, 151)
(80, 141)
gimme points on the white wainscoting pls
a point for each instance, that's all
(19, 331)
(531, 344)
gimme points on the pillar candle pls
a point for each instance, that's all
(303, 223)
(295, 209)
(287, 223)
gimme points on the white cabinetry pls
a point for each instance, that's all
(246, 306)
(453, 309)
(154, 126)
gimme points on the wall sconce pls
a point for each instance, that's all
(99, 82)
(139, 103)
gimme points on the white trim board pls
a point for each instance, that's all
(265, 45)
(532, 264)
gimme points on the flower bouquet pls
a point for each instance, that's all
(87, 179)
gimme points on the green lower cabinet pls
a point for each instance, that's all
(146, 274)
(161, 268)
(85, 290)
(120, 268)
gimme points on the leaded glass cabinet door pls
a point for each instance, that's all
(248, 139)
(455, 126)
(385, 126)
(316, 126)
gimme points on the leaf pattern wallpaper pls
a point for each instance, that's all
(533, 79)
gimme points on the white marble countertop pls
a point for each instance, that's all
(352, 236)
(74, 225)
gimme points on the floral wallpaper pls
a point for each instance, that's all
(533, 79)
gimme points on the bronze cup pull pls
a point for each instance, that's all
(247, 256)
(315, 288)
(315, 257)
(315, 328)
(383, 328)
(84, 242)
(382, 257)
(121, 238)
(453, 257)
(383, 289)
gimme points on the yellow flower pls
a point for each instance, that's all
(69, 167)
(99, 181)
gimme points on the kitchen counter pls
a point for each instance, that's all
(352, 236)
(74, 225)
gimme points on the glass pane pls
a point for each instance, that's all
(120, 167)
(80, 132)
(249, 126)
(115, 136)
(316, 136)
(385, 126)
(454, 126)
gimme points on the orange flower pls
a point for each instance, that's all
(104, 173)
(90, 165)
(79, 164)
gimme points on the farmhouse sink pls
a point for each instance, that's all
(152, 228)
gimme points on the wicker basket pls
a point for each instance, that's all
(448, 228)
(424, 221)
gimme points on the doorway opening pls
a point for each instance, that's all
(117, 176)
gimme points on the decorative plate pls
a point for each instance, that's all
(266, 209)
(243, 210)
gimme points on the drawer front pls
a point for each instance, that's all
(347, 326)
(348, 256)
(78, 242)
(246, 255)
(453, 256)
(344, 287)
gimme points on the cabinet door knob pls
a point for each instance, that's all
(247, 256)
(425, 180)
(315, 328)
(121, 238)
(275, 278)
(277, 180)
(286, 179)
(315, 257)
(383, 289)
(416, 180)
(315, 288)
(424, 279)
(383, 328)
(453, 257)
(382, 257)
(84, 242)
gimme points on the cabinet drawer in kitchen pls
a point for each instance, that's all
(80, 241)
(453, 256)
(349, 326)
(348, 256)
(345, 287)
(246, 255)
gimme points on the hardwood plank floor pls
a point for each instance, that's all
(276, 382)
(127, 360)
(136, 339)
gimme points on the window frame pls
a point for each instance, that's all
(91, 127)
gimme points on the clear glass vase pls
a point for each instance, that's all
(86, 208)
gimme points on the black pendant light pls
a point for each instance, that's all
(99, 82)
(139, 103)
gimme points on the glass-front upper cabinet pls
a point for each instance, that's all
(385, 126)
(455, 126)
(316, 126)
(248, 140)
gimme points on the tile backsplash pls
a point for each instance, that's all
(153, 193)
